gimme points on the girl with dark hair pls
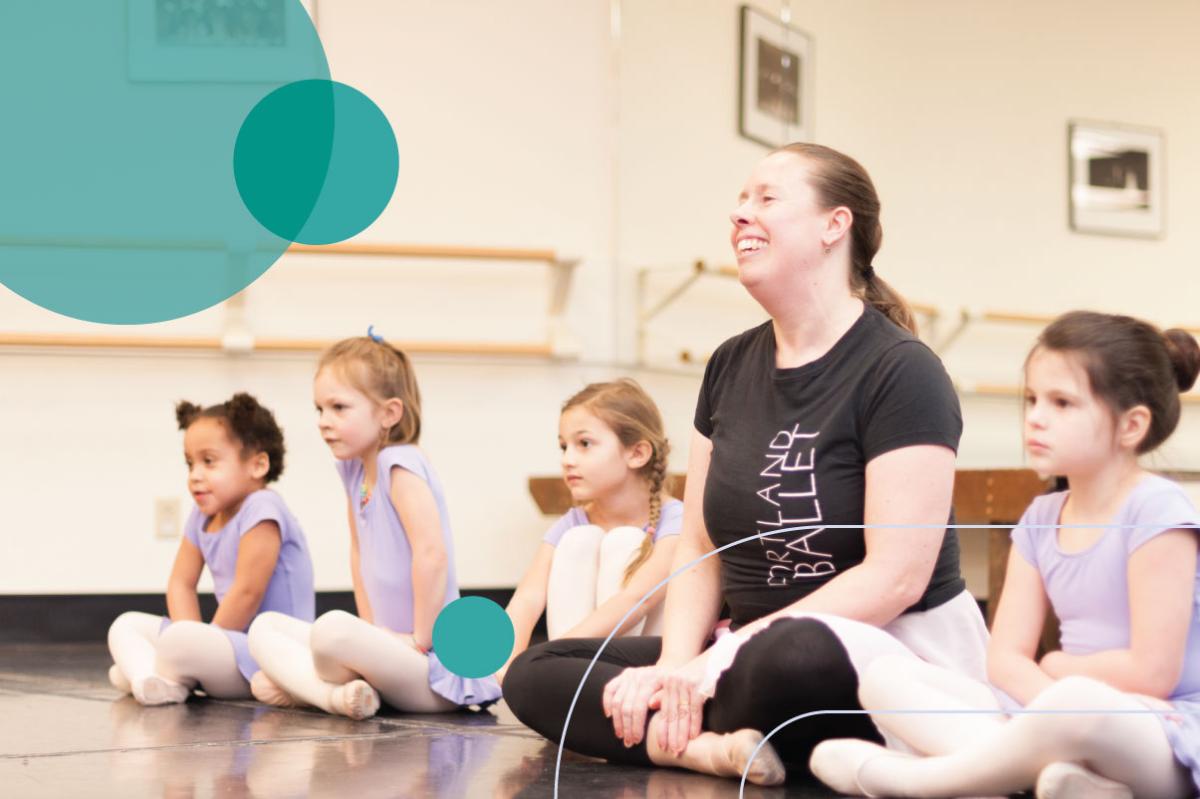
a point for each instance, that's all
(250, 542)
(1116, 710)
(832, 413)
(597, 561)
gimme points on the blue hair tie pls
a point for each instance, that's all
(371, 334)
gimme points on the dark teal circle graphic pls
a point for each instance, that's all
(118, 201)
(473, 637)
(316, 161)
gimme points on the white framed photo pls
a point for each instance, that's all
(221, 40)
(775, 91)
(1116, 179)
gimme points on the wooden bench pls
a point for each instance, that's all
(981, 496)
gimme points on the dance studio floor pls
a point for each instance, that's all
(65, 733)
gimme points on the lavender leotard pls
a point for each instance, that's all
(1090, 593)
(290, 589)
(386, 561)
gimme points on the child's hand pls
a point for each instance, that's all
(411, 640)
(1052, 664)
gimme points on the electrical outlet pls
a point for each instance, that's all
(166, 518)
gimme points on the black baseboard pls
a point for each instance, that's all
(82, 618)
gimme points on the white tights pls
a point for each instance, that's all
(163, 667)
(973, 754)
(589, 569)
(311, 662)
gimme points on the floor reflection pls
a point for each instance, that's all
(64, 732)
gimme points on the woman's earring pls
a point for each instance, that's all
(827, 250)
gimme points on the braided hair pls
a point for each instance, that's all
(629, 411)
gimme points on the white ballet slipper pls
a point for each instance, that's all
(118, 680)
(356, 699)
(1065, 780)
(265, 690)
(156, 690)
(839, 761)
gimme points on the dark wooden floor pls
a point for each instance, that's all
(65, 733)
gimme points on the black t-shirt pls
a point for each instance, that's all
(790, 449)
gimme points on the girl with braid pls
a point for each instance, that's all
(253, 546)
(597, 561)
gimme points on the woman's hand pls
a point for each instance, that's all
(681, 705)
(627, 700)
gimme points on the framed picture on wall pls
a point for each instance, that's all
(1116, 179)
(219, 40)
(775, 80)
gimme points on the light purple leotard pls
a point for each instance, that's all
(385, 561)
(670, 522)
(290, 589)
(1090, 593)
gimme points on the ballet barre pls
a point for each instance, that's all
(559, 340)
(236, 335)
(275, 345)
(968, 317)
(993, 390)
(687, 277)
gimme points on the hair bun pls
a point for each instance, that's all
(241, 407)
(186, 413)
(1185, 357)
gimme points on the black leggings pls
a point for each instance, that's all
(792, 667)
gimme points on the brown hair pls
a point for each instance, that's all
(247, 423)
(382, 372)
(1129, 363)
(840, 181)
(629, 412)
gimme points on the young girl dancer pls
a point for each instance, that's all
(401, 556)
(598, 560)
(250, 542)
(1116, 560)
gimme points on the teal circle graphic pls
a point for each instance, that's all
(473, 637)
(316, 161)
(119, 202)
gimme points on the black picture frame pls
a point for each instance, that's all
(775, 80)
(1116, 179)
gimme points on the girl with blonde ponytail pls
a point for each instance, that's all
(597, 561)
(401, 556)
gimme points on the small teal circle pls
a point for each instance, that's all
(316, 161)
(473, 637)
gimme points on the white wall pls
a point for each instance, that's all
(959, 110)
(526, 123)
